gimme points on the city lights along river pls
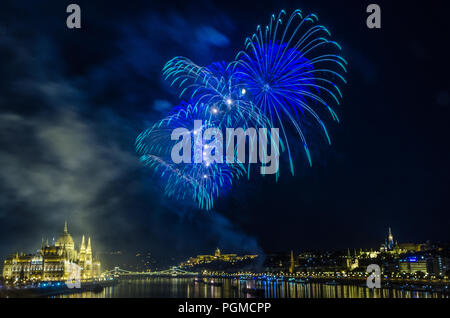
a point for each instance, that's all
(163, 287)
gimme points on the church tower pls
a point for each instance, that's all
(390, 242)
(352, 262)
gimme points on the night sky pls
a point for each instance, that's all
(72, 103)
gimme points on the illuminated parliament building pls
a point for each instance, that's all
(52, 262)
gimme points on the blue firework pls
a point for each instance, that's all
(289, 72)
(201, 182)
(292, 70)
(218, 90)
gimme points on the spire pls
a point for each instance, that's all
(82, 255)
(89, 250)
(65, 227)
(82, 248)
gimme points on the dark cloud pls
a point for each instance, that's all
(162, 106)
(207, 35)
(67, 138)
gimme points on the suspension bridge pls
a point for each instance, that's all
(171, 272)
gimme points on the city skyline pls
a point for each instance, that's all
(422, 269)
(52, 261)
(389, 243)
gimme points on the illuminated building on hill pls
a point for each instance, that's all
(52, 262)
(218, 256)
(394, 248)
(352, 262)
(389, 244)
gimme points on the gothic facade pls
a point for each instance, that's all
(53, 262)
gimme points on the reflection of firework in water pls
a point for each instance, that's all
(289, 67)
(288, 72)
(202, 182)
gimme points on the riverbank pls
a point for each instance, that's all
(442, 287)
(53, 289)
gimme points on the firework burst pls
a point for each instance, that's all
(203, 182)
(289, 72)
(292, 70)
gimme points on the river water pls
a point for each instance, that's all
(232, 288)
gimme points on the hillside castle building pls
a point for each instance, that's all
(52, 262)
(218, 256)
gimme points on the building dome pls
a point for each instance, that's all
(65, 239)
